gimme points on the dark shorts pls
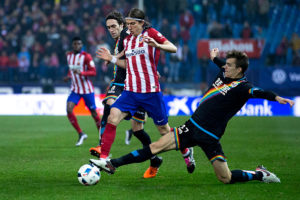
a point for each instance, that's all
(188, 135)
(114, 91)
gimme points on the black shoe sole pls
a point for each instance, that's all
(95, 153)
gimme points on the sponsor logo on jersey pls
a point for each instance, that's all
(135, 52)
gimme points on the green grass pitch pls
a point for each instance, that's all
(39, 160)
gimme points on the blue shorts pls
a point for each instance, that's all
(89, 99)
(153, 103)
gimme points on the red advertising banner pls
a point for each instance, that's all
(253, 48)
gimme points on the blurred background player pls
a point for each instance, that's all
(225, 97)
(81, 66)
(115, 24)
(142, 89)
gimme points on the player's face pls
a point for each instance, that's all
(231, 70)
(135, 27)
(77, 45)
(114, 28)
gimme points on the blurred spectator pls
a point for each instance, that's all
(28, 39)
(54, 73)
(175, 35)
(281, 51)
(34, 69)
(264, 7)
(185, 34)
(4, 62)
(295, 42)
(165, 28)
(252, 10)
(186, 19)
(227, 31)
(215, 30)
(23, 68)
(246, 32)
(175, 62)
(296, 59)
(13, 68)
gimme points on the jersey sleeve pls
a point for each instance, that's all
(123, 35)
(157, 36)
(256, 92)
(219, 62)
(91, 68)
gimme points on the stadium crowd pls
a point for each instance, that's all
(35, 35)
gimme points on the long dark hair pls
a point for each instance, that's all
(139, 14)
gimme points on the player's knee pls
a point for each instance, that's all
(164, 129)
(137, 126)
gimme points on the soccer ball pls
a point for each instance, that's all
(88, 174)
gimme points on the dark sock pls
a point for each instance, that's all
(244, 176)
(136, 156)
(143, 137)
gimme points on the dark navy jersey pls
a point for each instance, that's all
(119, 72)
(223, 100)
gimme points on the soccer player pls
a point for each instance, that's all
(225, 97)
(81, 67)
(142, 89)
(115, 24)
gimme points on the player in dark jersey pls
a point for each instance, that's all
(115, 24)
(226, 96)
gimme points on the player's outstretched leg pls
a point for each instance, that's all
(260, 174)
(267, 177)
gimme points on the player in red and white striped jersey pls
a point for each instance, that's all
(142, 89)
(81, 66)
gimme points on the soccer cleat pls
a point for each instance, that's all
(96, 151)
(104, 164)
(81, 138)
(151, 172)
(190, 161)
(128, 135)
(268, 177)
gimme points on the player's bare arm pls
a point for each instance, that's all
(166, 46)
(282, 100)
(104, 54)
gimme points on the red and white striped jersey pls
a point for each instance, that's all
(141, 60)
(80, 82)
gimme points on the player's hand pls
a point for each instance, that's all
(284, 101)
(150, 41)
(103, 54)
(214, 53)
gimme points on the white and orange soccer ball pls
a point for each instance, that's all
(88, 174)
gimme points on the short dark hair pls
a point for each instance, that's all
(76, 38)
(116, 16)
(242, 59)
